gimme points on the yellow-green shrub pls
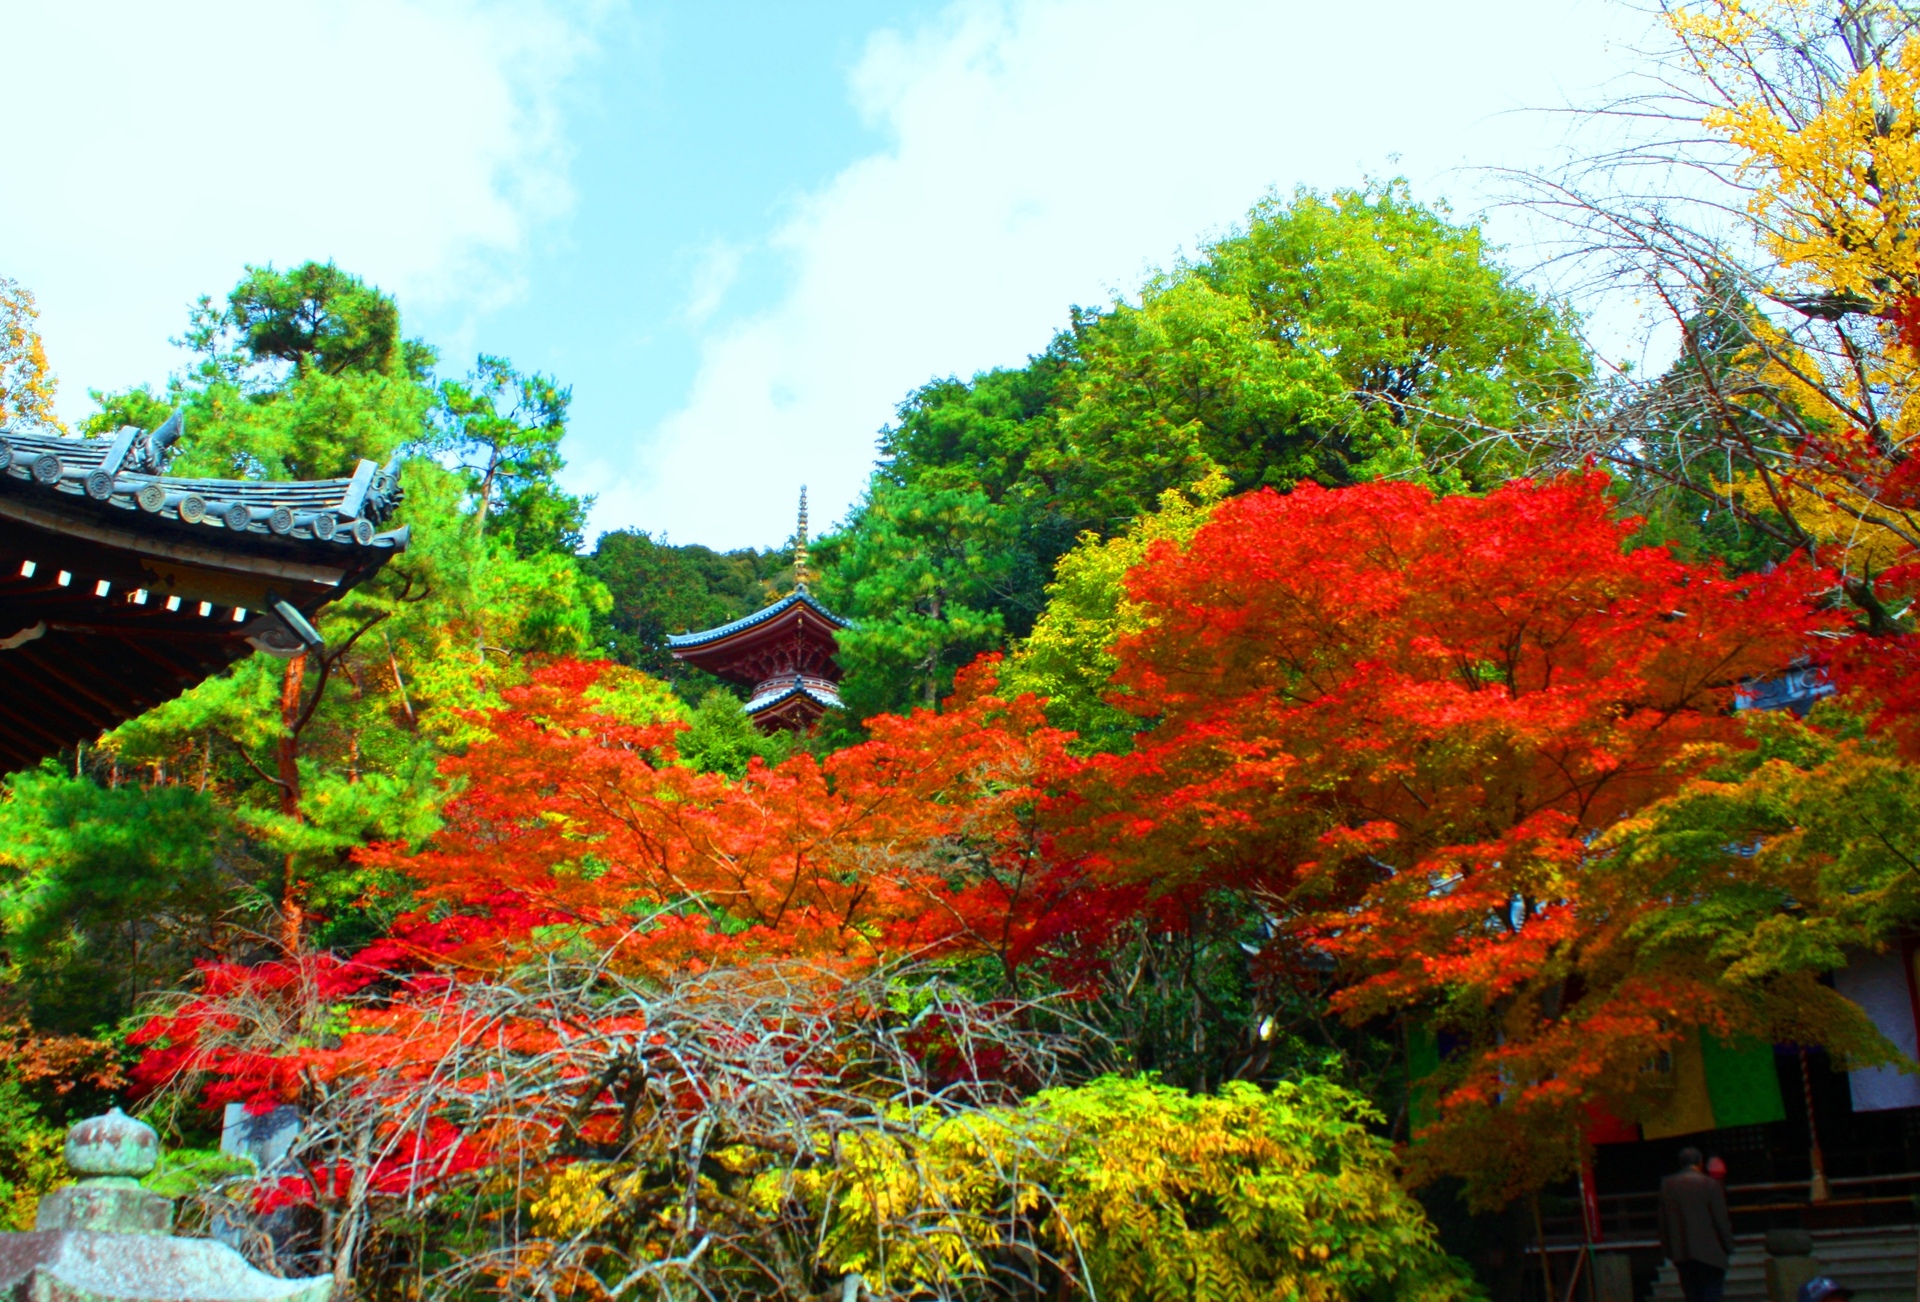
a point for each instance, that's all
(1141, 1191)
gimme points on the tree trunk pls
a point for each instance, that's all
(348, 1227)
(931, 690)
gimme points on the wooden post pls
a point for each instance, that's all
(1818, 1190)
(292, 912)
(1540, 1238)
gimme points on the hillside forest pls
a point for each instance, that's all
(1297, 779)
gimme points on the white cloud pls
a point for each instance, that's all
(715, 272)
(155, 148)
(1050, 152)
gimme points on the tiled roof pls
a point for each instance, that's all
(1797, 689)
(813, 690)
(126, 471)
(799, 596)
(122, 586)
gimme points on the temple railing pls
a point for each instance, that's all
(1630, 1220)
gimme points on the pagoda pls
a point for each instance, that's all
(783, 652)
(122, 586)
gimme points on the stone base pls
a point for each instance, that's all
(86, 1266)
(1785, 1275)
(109, 1204)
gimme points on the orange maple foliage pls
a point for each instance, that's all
(1398, 721)
(571, 826)
(574, 831)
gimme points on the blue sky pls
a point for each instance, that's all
(693, 129)
(741, 231)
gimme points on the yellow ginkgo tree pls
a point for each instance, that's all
(1765, 206)
(26, 382)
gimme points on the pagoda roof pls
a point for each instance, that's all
(821, 693)
(122, 586)
(796, 704)
(765, 615)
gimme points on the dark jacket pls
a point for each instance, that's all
(1694, 1225)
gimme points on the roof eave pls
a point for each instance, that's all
(798, 597)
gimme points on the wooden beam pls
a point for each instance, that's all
(50, 739)
(192, 553)
(203, 668)
(34, 653)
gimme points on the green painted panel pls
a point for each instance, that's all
(1742, 1082)
(1423, 1059)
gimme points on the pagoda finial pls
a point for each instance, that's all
(800, 544)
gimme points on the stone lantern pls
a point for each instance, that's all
(106, 1239)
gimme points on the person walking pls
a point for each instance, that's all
(1695, 1231)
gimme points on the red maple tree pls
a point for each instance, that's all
(1398, 721)
(571, 826)
(572, 832)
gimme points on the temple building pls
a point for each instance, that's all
(121, 586)
(783, 652)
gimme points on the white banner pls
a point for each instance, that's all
(1879, 983)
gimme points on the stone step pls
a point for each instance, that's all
(1878, 1267)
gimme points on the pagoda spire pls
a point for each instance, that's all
(800, 545)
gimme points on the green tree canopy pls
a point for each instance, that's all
(504, 428)
(106, 891)
(315, 316)
(1069, 657)
(659, 588)
(1334, 339)
(300, 374)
